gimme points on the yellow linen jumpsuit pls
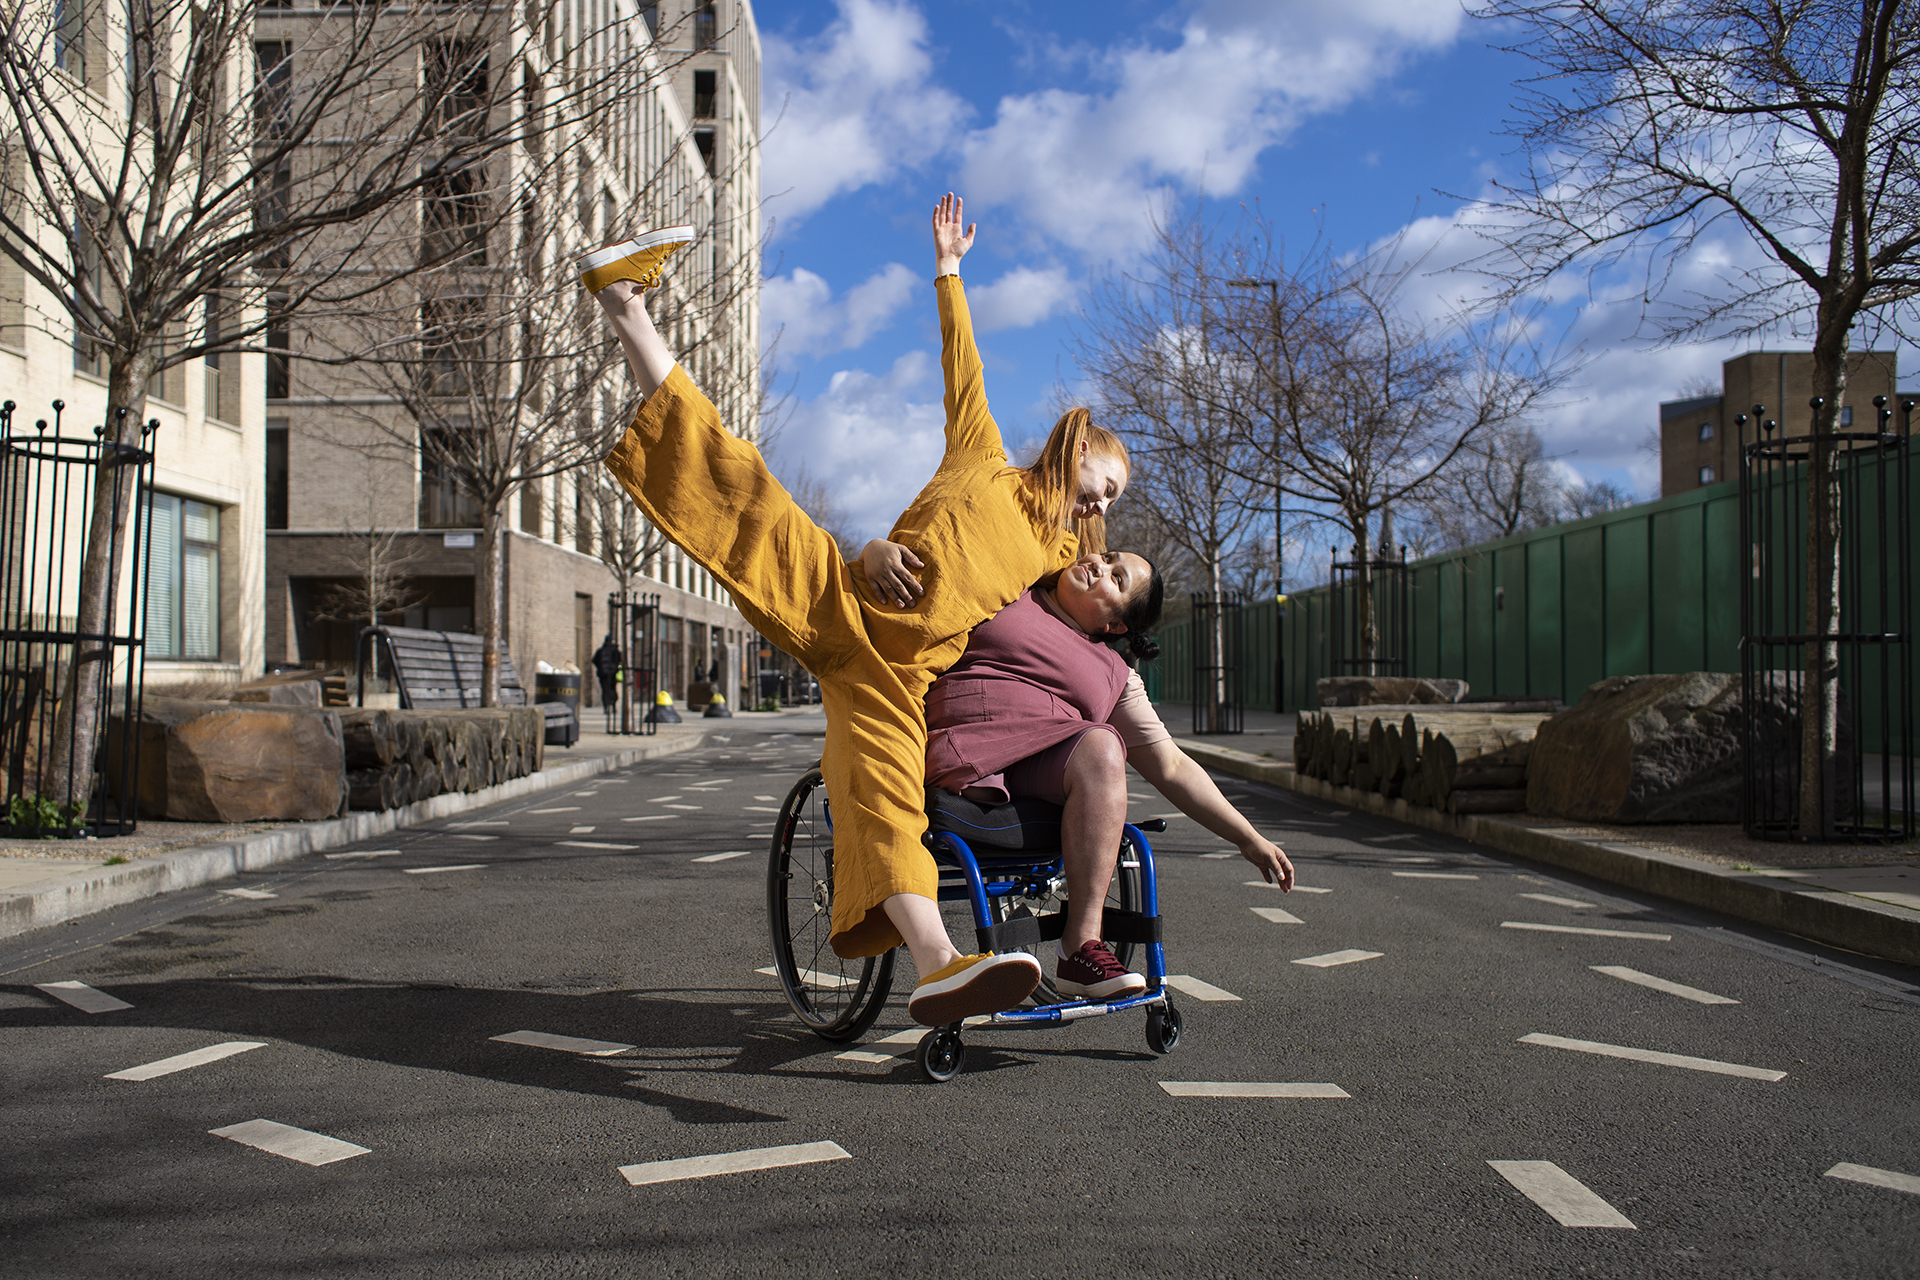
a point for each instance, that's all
(981, 530)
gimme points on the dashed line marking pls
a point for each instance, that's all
(82, 997)
(1564, 1197)
(653, 817)
(757, 808)
(566, 1044)
(1558, 902)
(1298, 888)
(464, 835)
(722, 857)
(185, 1061)
(1654, 1056)
(565, 808)
(579, 831)
(1872, 1177)
(1219, 855)
(1225, 1089)
(1435, 875)
(427, 871)
(693, 807)
(641, 1175)
(490, 822)
(811, 976)
(1332, 958)
(1592, 933)
(664, 799)
(247, 893)
(1638, 978)
(294, 1144)
(370, 853)
(1277, 915)
(1197, 989)
(593, 844)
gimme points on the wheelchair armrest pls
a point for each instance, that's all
(1152, 824)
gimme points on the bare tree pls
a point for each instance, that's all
(1502, 484)
(382, 562)
(178, 185)
(1793, 125)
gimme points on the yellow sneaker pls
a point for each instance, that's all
(973, 985)
(639, 259)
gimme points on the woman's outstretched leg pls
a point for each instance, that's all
(648, 359)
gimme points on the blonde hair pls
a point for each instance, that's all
(1054, 476)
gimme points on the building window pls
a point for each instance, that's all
(456, 86)
(272, 88)
(272, 203)
(1846, 415)
(276, 473)
(1706, 431)
(452, 219)
(69, 37)
(183, 585)
(453, 345)
(444, 503)
(1706, 475)
(650, 14)
(221, 385)
(279, 363)
(705, 90)
(703, 139)
(706, 27)
(530, 509)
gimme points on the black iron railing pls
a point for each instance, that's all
(1371, 591)
(1219, 663)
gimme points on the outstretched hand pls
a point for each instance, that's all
(1272, 861)
(890, 572)
(951, 236)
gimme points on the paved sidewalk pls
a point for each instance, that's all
(1865, 899)
(48, 882)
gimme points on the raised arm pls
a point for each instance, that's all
(970, 427)
(1175, 775)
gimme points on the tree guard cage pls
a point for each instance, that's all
(1371, 592)
(1868, 778)
(1219, 663)
(60, 687)
(637, 624)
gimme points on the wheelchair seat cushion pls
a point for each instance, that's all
(1020, 825)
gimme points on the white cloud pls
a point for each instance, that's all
(801, 309)
(855, 104)
(874, 440)
(1020, 298)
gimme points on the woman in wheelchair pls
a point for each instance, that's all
(1042, 706)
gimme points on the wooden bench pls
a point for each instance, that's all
(440, 670)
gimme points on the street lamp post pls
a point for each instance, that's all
(1279, 544)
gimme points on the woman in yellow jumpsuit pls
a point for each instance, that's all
(984, 530)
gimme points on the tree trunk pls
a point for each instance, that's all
(68, 775)
(1216, 716)
(1365, 630)
(487, 603)
(1820, 673)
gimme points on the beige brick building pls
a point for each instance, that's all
(337, 485)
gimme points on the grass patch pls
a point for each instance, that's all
(115, 860)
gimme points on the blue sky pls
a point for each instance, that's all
(1063, 123)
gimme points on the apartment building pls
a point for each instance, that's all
(1700, 440)
(343, 486)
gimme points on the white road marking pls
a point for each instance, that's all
(861, 1055)
(693, 807)
(811, 976)
(722, 857)
(1638, 978)
(1654, 1056)
(567, 1044)
(182, 1061)
(593, 844)
(1421, 858)
(247, 893)
(1218, 855)
(371, 853)
(904, 1043)
(664, 799)
(653, 817)
(465, 836)
(1876, 1177)
(766, 797)
(1333, 958)
(82, 997)
(1276, 915)
(1558, 902)
(756, 808)
(1213, 1089)
(1298, 888)
(1592, 933)
(1564, 1197)
(491, 822)
(1435, 875)
(641, 1175)
(285, 1140)
(427, 871)
(579, 831)
(1197, 989)
(565, 808)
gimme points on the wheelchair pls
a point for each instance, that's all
(1005, 863)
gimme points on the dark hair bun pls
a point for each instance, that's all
(1142, 647)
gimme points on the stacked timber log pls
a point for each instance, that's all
(396, 758)
(1461, 759)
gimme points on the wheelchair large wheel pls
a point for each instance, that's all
(837, 999)
(1123, 891)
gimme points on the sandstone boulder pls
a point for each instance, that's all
(1662, 748)
(1387, 691)
(247, 762)
(285, 688)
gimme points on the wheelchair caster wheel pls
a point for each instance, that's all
(942, 1055)
(1163, 1029)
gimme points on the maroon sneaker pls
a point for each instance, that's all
(1094, 972)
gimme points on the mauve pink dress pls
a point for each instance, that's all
(1028, 681)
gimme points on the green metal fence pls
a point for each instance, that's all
(1651, 588)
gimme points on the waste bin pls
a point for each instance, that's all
(564, 687)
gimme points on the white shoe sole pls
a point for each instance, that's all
(1131, 985)
(994, 985)
(628, 248)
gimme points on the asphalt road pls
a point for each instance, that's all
(374, 987)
